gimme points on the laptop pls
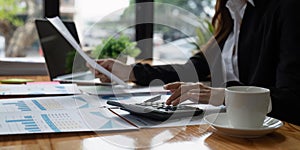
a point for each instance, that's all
(62, 65)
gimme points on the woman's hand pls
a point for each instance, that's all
(121, 70)
(196, 92)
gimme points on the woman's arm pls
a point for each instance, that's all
(286, 93)
(194, 70)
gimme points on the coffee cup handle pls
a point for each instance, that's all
(270, 106)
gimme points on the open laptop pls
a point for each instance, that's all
(57, 52)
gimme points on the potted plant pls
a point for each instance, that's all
(117, 48)
(203, 33)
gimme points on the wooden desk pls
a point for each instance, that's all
(196, 137)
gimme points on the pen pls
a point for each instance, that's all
(153, 99)
(115, 97)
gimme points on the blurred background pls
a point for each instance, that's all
(173, 39)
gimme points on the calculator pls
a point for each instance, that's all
(158, 110)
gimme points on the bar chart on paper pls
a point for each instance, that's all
(12, 123)
(39, 89)
(48, 103)
(57, 114)
(25, 122)
(15, 106)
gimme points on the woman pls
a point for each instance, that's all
(259, 44)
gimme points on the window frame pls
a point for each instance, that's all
(144, 31)
(51, 8)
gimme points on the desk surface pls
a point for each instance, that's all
(190, 137)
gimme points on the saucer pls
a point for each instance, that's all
(220, 124)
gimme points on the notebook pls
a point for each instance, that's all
(57, 51)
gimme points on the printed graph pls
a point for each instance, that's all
(26, 123)
(18, 105)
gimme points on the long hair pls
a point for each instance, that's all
(222, 23)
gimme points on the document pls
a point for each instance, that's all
(48, 103)
(38, 89)
(57, 114)
(78, 113)
(117, 90)
(58, 24)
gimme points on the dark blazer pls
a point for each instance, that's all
(268, 56)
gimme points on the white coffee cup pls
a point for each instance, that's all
(247, 106)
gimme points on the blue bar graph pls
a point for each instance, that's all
(20, 105)
(49, 122)
(40, 106)
(60, 88)
(27, 116)
(28, 123)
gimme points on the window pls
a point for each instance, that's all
(177, 27)
(98, 20)
(18, 37)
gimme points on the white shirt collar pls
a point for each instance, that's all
(235, 3)
(251, 2)
(237, 10)
(238, 7)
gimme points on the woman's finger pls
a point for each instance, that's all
(99, 61)
(180, 99)
(106, 64)
(175, 94)
(96, 72)
(180, 91)
(172, 86)
(104, 78)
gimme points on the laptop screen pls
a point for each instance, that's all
(60, 56)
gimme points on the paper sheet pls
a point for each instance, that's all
(57, 114)
(64, 102)
(79, 113)
(58, 24)
(49, 103)
(62, 121)
(116, 90)
(38, 89)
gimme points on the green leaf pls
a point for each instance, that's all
(10, 9)
(114, 47)
(204, 34)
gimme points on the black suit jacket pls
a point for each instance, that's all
(268, 56)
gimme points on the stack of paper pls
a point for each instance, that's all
(79, 113)
(38, 89)
(116, 90)
(57, 114)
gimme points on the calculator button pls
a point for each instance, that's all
(160, 107)
(154, 105)
(168, 108)
(142, 104)
(173, 108)
(157, 103)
